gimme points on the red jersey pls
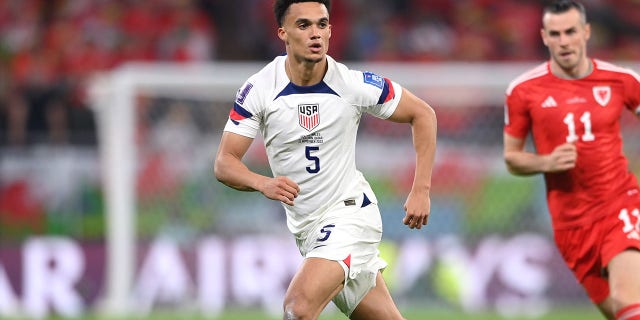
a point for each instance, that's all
(586, 111)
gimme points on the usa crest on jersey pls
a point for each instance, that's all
(308, 115)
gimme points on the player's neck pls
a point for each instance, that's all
(580, 71)
(305, 73)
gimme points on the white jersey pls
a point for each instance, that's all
(310, 132)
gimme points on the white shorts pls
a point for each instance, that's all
(349, 234)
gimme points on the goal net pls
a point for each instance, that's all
(178, 238)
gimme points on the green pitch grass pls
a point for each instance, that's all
(586, 313)
(579, 314)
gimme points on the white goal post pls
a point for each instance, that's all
(113, 99)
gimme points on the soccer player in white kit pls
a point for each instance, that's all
(307, 107)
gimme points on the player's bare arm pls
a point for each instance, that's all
(422, 118)
(230, 170)
(521, 162)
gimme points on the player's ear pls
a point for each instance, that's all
(543, 35)
(282, 34)
(587, 31)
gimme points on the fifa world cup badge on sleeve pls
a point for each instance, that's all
(242, 93)
(373, 79)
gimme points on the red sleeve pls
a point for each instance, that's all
(632, 87)
(517, 121)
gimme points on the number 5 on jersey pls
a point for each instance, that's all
(315, 167)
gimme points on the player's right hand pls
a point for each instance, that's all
(280, 188)
(562, 158)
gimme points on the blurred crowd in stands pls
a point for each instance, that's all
(49, 48)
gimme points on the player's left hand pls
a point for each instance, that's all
(417, 208)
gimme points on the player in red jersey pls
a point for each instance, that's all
(572, 106)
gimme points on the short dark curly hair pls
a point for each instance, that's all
(280, 7)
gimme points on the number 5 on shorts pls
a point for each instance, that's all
(326, 230)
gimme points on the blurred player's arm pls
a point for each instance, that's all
(522, 163)
(230, 170)
(422, 119)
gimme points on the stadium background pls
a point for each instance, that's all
(487, 248)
